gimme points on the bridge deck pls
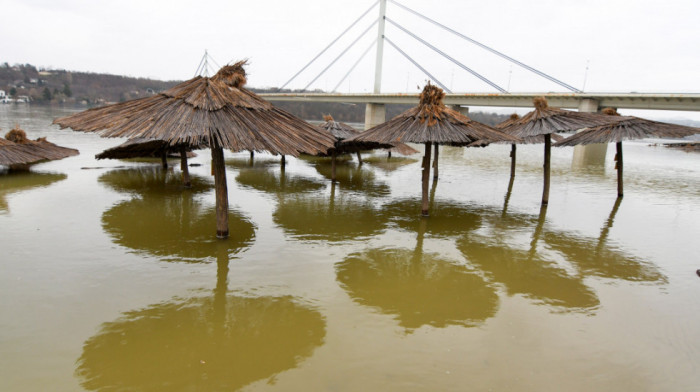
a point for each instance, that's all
(690, 102)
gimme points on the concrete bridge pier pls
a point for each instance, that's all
(375, 114)
(591, 154)
(461, 109)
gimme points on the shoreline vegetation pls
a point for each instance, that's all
(87, 89)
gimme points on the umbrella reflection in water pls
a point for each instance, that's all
(14, 182)
(219, 342)
(416, 287)
(165, 221)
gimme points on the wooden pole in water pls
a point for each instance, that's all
(184, 168)
(284, 160)
(435, 162)
(426, 177)
(618, 166)
(359, 158)
(512, 160)
(333, 167)
(252, 154)
(388, 156)
(164, 159)
(547, 158)
(217, 158)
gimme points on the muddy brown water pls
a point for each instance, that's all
(111, 278)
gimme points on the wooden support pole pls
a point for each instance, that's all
(252, 154)
(359, 158)
(217, 158)
(284, 160)
(547, 159)
(185, 169)
(435, 162)
(512, 160)
(388, 156)
(618, 164)
(164, 159)
(426, 177)
(333, 159)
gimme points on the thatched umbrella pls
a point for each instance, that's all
(626, 128)
(15, 154)
(431, 122)
(141, 147)
(545, 120)
(341, 132)
(207, 111)
(17, 149)
(524, 140)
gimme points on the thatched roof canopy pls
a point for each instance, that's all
(338, 129)
(341, 132)
(17, 149)
(627, 128)
(538, 139)
(16, 154)
(432, 122)
(140, 148)
(206, 111)
(545, 120)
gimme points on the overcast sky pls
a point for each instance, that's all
(596, 45)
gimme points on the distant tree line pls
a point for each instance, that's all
(58, 86)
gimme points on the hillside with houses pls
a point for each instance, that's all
(25, 83)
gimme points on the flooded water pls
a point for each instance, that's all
(111, 278)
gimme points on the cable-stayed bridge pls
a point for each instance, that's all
(574, 98)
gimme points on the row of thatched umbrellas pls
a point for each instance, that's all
(218, 112)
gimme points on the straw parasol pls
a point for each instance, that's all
(525, 140)
(14, 154)
(545, 120)
(431, 122)
(216, 112)
(626, 128)
(151, 148)
(341, 132)
(17, 149)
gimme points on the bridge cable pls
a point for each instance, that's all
(494, 51)
(417, 65)
(445, 55)
(198, 71)
(342, 53)
(203, 66)
(371, 45)
(331, 44)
